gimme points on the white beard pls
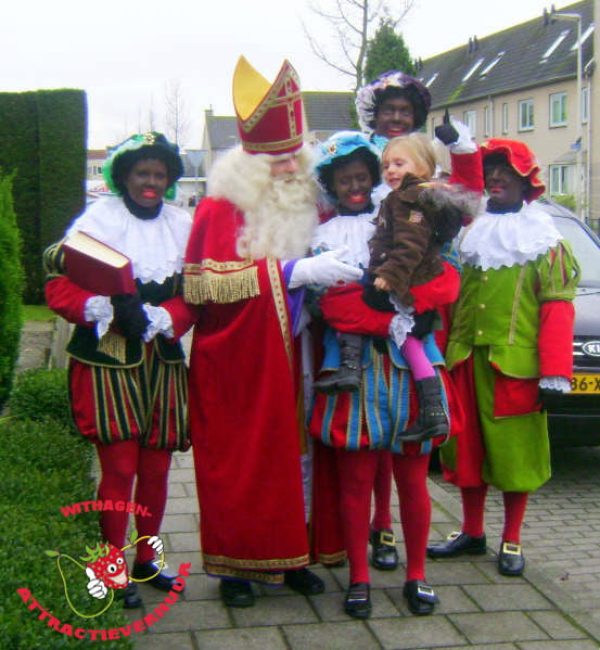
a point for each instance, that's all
(280, 213)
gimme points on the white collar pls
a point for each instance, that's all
(514, 238)
(156, 247)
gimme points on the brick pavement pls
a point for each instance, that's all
(479, 609)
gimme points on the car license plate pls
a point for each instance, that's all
(588, 384)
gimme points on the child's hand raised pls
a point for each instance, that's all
(381, 284)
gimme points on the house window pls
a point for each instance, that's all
(558, 109)
(504, 118)
(470, 119)
(585, 104)
(526, 115)
(561, 179)
(487, 121)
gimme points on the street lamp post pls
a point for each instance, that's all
(580, 188)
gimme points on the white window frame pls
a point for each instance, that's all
(526, 121)
(504, 118)
(470, 119)
(585, 104)
(558, 100)
(487, 121)
(561, 179)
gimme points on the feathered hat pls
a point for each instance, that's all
(521, 159)
(269, 116)
(338, 148)
(141, 146)
(367, 98)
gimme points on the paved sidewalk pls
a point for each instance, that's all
(479, 609)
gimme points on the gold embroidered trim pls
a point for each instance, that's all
(270, 147)
(221, 563)
(208, 286)
(275, 578)
(273, 98)
(113, 345)
(213, 265)
(280, 306)
(332, 558)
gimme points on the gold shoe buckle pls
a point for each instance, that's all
(425, 591)
(453, 535)
(511, 549)
(389, 539)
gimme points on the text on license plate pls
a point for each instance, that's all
(585, 383)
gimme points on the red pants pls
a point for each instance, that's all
(356, 472)
(121, 463)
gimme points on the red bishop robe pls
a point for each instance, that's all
(244, 417)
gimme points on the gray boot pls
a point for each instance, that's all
(432, 420)
(347, 378)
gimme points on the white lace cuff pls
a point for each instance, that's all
(401, 325)
(99, 310)
(561, 384)
(160, 322)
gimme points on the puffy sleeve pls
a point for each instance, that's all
(558, 273)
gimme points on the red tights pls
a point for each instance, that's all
(121, 463)
(356, 470)
(473, 502)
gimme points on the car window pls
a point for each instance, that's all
(586, 249)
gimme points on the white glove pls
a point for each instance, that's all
(160, 322)
(325, 270)
(559, 384)
(95, 586)
(157, 544)
(465, 142)
(400, 326)
(99, 310)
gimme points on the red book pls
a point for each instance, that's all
(96, 267)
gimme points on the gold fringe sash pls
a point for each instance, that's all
(114, 346)
(220, 282)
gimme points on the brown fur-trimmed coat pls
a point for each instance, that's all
(413, 223)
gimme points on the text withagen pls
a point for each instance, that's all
(106, 504)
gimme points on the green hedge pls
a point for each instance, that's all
(43, 135)
(43, 468)
(39, 394)
(11, 286)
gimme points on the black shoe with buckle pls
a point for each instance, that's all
(304, 582)
(358, 600)
(151, 573)
(510, 559)
(458, 544)
(130, 596)
(421, 598)
(384, 556)
(236, 593)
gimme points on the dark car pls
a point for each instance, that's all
(574, 418)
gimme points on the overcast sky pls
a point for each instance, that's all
(123, 53)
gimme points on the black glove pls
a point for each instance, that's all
(129, 316)
(547, 397)
(424, 323)
(446, 132)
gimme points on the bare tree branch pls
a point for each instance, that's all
(351, 23)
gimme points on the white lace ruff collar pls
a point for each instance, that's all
(156, 247)
(514, 238)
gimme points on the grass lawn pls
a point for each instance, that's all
(38, 313)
